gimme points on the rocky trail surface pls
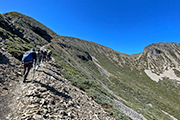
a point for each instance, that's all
(46, 95)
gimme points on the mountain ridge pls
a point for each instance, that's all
(104, 73)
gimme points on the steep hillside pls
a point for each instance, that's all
(47, 95)
(132, 76)
(142, 86)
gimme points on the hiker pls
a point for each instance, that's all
(49, 53)
(28, 58)
(39, 55)
(44, 55)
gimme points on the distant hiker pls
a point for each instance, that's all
(28, 58)
(39, 55)
(49, 53)
(44, 55)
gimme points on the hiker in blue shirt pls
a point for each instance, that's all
(28, 58)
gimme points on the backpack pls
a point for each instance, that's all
(27, 57)
(45, 52)
(49, 52)
(38, 54)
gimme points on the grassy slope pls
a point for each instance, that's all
(134, 86)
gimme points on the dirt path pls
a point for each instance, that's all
(43, 47)
(128, 111)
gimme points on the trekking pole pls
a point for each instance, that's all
(34, 69)
(33, 73)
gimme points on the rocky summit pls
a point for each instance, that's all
(84, 80)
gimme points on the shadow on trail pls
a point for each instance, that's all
(51, 75)
(58, 73)
(1, 80)
(53, 90)
(55, 65)
(4, 59)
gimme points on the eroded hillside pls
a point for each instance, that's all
(161, 60)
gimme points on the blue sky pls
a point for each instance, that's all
(126, 26)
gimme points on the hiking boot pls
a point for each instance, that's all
(24, 80)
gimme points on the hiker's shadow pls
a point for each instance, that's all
(53, 90)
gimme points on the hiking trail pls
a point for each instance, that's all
(48, 96)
